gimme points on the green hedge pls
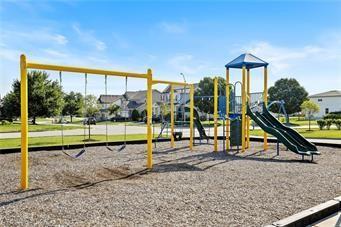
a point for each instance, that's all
(332, 116)
(327, 123)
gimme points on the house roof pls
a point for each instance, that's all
(109, 98)
(178, 87)
(138, 96)
(332, 93)
(248, 60)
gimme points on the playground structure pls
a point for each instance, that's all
(237, 114)
(174, 135)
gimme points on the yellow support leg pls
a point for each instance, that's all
(172, 115)
(248, 117)
(24, 122)
(243, 108)
(149, 119)
(215, 114)
(265, 145)
(191, 117)
(227, 109)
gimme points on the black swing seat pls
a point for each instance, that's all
(177, 136)
(79, 154)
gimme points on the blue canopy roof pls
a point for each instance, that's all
(248, 60)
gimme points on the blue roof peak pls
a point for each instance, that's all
(248, 60)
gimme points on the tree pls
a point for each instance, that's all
(113, 109)
(73, 104)
(289, 90)
(10, 106)
(92, 106)
(44, 97)
(206, 88)
(309, 108)
(135, 115)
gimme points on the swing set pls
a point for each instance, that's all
(26, 65)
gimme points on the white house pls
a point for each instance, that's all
(329, 101)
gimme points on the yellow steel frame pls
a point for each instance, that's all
(243, 107)
(265, 98)
(227, 108)
(191, 97)
(215, 112)
(25, 65)
(248, 101)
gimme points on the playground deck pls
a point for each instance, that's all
(189, 188)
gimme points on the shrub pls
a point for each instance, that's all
(135, 115)
(329, 123)
(321, 124)
(5, 122)
(337, 124)
(332, 116)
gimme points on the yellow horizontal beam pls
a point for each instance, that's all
(32, 65)
(171, 82)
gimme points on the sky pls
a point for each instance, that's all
(299, 40)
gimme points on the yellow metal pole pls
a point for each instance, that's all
(24, 122)
(248, 117)
(172, 114)
(243, 107)
(33, 65)
(227, 109)
(265, 97)
(149, 119)
(191, 117)
(215, 114)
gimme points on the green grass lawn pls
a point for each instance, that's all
(56, 140)
(314, 133)
(298, 121)
(15, 127)
(129, 123)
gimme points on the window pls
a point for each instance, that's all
(319, 100)
(326, 111)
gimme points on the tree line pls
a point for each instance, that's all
(46, 98)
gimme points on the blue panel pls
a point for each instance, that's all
(222, 106)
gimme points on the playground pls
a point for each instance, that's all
(198, 187)
(178, 171)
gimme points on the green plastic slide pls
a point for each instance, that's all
(289, 137)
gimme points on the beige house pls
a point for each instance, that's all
(128, 102)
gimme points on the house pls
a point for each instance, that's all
(181, 93)
(329, 101)
(107, 100)
(128, 102)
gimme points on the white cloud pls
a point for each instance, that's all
(60, 39)
(89, 38)
(55, 53)
(34, 36)
(283, 58)
(186, 63)
(173, 28)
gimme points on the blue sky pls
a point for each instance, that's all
(299, 39)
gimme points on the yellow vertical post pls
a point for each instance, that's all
(191, 117)
(24, 122)
(172, 114)
(265, 98)
(215, 114)
(243, 107)
(248, 117)
(227, 109)
(149, 119)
